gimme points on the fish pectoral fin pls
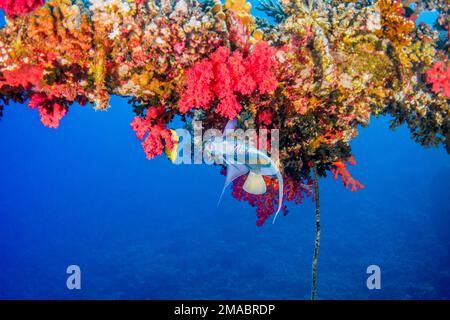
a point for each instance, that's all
(255, 184)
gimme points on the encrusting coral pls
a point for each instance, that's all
(15, 8)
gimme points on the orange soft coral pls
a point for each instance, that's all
(340, 170)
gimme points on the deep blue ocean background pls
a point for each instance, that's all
(84, 194)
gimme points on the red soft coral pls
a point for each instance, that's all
(198, 93)
(267, 203)
(439, 77)
(50, 110)
(265, 117)
(340, 169)
(24, 76)
(228, 106)
(226, 76)
(154, 137)
(242, 78)
(15, 8)
(261, 64)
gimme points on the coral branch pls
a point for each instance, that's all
(225, 76)
(340, 170)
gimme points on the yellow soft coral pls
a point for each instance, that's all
(241, 8)
(395, 27)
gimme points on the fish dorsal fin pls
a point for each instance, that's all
(255, 184)
(231, 125)
(234, 171)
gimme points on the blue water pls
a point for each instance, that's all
(84, 194)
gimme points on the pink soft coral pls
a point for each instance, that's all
(225, 76)
(439, 77)
(340, 170)
(154, 136)
(157, 139)
(50, 110)
(15, 8)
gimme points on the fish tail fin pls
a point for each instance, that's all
(233, 172)
(255, 184)
(221, 195)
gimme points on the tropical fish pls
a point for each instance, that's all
(251, 161)
(172, 153)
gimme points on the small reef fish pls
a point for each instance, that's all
(249, 161)
(172, 153)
